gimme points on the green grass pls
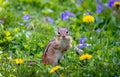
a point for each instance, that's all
(28, 42)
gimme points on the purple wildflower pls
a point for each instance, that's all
(99, 8)
(65, 15)
(82, 40)
(110, 3)
(82, 46)
(26, 17)
(98, 30)
(69, 13)
(49, 19)
(79, 2)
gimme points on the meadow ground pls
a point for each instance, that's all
(27, 26)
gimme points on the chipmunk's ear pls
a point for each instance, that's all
(66, 28)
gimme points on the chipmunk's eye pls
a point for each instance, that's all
(67, 32)
(58, 32)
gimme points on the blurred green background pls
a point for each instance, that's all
(27, 26)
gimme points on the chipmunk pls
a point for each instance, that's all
(57, 47)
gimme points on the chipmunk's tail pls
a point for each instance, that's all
(31, 62)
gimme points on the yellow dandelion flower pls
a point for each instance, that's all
(19, 61)
(7, 33)
(15, 30)
(54, 69)
(85, 56)
(82, 57)
(117, 4)
(88, 56)
(88, 19)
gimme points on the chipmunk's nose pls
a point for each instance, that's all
(63, 36)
